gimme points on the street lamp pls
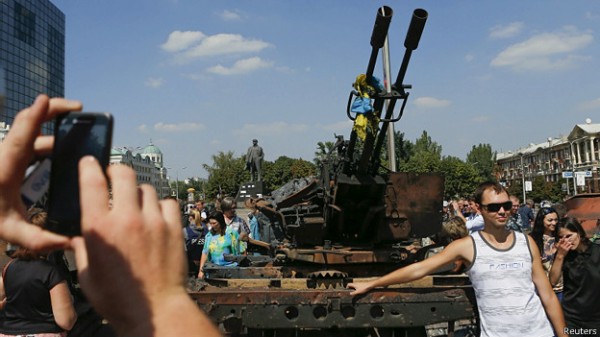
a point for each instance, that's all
(177, 181)
(522, 175)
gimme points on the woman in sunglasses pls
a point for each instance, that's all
(544, 233)
(578, 260)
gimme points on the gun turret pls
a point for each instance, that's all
(352, 204)
(380, 31)
(415, 29)
(369, 161)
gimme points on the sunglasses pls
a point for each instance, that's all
(496, 207)
(548, 210)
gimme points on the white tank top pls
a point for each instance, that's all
(506, 297)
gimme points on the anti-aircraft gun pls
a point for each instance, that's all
(355, 221)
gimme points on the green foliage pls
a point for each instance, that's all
(425, 156)
(302, 168)
(228, 173)
(321, 153)
(461, 178)
(541, 190)
(404, 148)
(426, 145)
(284, 169)
(422, 163)
(516, 188)
(545, 190)
(278, 172)
(225, 175)
(483, 159)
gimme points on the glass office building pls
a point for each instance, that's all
(32, 53)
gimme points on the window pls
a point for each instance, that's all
(24, 24)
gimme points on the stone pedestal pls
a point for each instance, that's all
(251, 189)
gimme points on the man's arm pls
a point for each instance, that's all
(545, 292)
(459, 249)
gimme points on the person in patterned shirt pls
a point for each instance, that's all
(219, 241)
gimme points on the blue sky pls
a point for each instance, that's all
(199, 77)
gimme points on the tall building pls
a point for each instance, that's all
(573, 159)
(32, 53)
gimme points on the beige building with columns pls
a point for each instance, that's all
(575, 157)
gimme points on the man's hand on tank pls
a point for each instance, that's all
(360, 287)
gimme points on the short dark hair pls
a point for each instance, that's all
(488, 185)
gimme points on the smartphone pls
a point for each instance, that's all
(75, 135)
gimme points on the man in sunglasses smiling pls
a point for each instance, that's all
(514, 296)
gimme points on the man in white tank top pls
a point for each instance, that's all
(514, 296)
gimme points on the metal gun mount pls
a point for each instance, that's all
(349, 224)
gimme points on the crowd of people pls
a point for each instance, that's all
(538, 272)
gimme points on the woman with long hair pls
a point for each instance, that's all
(35, 295)
(578, 260)
(544, 233)
(220, 240)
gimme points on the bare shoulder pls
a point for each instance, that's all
(462, 248)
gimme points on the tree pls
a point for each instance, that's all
(426, 156)
(225, 175)
(423, 163)
(404, 148)
(302, 168)
(483, 158)
(277, 173)
(322, 151)
(460, 177)
(425, 144)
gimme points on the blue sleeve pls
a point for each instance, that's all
(207, 240)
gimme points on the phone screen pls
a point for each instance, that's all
(76, 135)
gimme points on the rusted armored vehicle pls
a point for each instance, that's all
(355, 221)
(586, 209)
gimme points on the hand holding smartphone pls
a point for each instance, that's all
(75, 135)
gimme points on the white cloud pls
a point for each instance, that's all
(431, 103)
(590, 105)
(222, 44)
(178, 40)
(188, 126)
(143, 128)
(241, 67)
(480, 119)
(469, 57)
(228, 15)
(506, 31)
(153, 82)
(547, 51)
